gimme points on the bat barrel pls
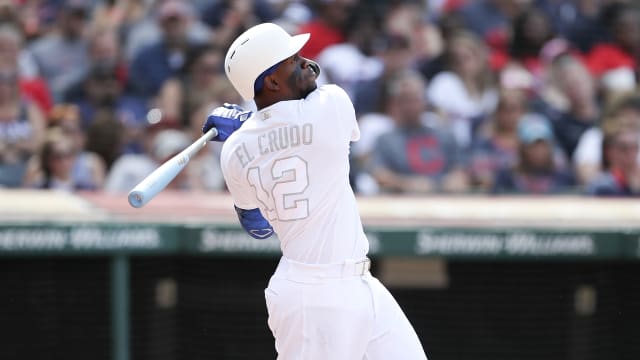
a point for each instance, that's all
(148, 188)
(136, 198)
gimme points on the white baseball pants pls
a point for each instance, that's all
(337, 312)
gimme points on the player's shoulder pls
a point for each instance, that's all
(333, 90)
(333, 94)
(230, 144)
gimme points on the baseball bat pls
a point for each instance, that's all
(155, 182)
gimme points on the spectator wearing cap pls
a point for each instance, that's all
(166, 57)
(537, 170)
(621, 175)
(61, 56)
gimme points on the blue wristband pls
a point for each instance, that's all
(254, 223)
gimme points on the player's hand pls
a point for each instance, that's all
(226, 119)
(254, 223)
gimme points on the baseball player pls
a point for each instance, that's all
(286, 167)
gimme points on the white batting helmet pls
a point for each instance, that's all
(256, 50)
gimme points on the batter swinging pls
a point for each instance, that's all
(287, 169)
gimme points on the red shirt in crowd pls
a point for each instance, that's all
(321, 36)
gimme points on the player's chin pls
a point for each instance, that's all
(309, 89)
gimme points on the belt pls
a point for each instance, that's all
(297, 270)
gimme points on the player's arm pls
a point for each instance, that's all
(227, 119)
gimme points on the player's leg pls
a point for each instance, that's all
(394, 336)
(332, 319)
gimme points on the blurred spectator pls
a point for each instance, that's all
(491, 20)
(376, 123)
(617, 57)
(328, 27)
(447, 25)
(104, 53)
(89, 168)
(587, 158)
(395, 53)
(464, 93)
(200, 82)
(119, 15)
(409, 19)
(536, 171)
(229, 18)
(61, 56)
(573, 108)
(159, 61)
(130, 169)
(21, 129)
(103, 92)
(106, 136)
(204, 172)
(61, 165)
(575, 20)
(496, 145)
(531, 31)
(621, 176)
(413, 157)
(38, 17)
(346, 63)
(11, 19)
(9, 14)
(139, 33)
(11, 55)
(216, 12)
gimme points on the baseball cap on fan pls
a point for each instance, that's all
(534, 127)
(257, 50)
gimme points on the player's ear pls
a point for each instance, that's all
(271, 83)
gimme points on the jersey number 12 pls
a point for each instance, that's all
(288, 179)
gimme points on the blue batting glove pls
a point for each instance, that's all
(226, 119)
(254, 223)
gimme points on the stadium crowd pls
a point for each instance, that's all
(452, 96)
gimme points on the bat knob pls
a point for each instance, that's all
(136, 199)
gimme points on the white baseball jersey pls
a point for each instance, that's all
(291, 161)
